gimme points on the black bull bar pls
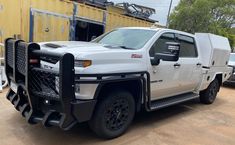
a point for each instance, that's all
(43, 95)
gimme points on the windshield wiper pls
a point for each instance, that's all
(124, 47)
(119, 46)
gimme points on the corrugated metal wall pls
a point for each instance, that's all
(48, 20)
(115, 20)
(89, 12)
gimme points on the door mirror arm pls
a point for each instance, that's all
(155, 61)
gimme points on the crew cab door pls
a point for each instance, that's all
(190, 64)
(165, 76)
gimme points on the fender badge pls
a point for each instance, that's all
(136, 56)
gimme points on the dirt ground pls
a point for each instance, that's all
(189, 123)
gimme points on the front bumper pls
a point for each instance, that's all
(48, 115)
(42, 95)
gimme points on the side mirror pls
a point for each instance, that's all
(172, 53)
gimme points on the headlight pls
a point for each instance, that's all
(82, 63)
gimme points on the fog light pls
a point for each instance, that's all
(47, 102)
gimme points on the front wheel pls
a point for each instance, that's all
(208, 96)
(113, 114)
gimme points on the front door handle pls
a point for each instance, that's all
(199, 64)
(177, 65)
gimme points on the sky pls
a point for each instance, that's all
(161, 6)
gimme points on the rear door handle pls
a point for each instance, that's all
(177, 65)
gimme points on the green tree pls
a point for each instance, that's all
(210, 16)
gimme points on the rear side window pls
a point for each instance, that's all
(187, 46)
(160, 45)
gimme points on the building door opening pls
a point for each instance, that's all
(86, 31)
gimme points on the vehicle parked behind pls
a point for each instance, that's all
(231, 63)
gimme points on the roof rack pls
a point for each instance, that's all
(133, 10)
(137, 10)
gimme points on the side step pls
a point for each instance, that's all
(166, 102)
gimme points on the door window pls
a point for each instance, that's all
(187, 46)
(160, 45)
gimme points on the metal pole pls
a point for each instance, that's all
(168, 16)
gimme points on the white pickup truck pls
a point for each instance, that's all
(106, 81)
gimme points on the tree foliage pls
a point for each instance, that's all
(210, 16)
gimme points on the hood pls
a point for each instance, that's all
(104, 58)
(77, 48)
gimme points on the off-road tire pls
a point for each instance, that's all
(208, 96)
(113, 114)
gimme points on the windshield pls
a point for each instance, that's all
(126, 38)
(232, 57)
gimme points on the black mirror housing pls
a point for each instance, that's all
(171, 55)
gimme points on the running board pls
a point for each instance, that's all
(166, 102)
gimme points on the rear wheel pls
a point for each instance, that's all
(208, 96)
(113, 115)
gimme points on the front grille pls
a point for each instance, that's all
(10, 54)
(21, 59)
(44, 83)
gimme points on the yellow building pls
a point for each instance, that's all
(50, 20)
